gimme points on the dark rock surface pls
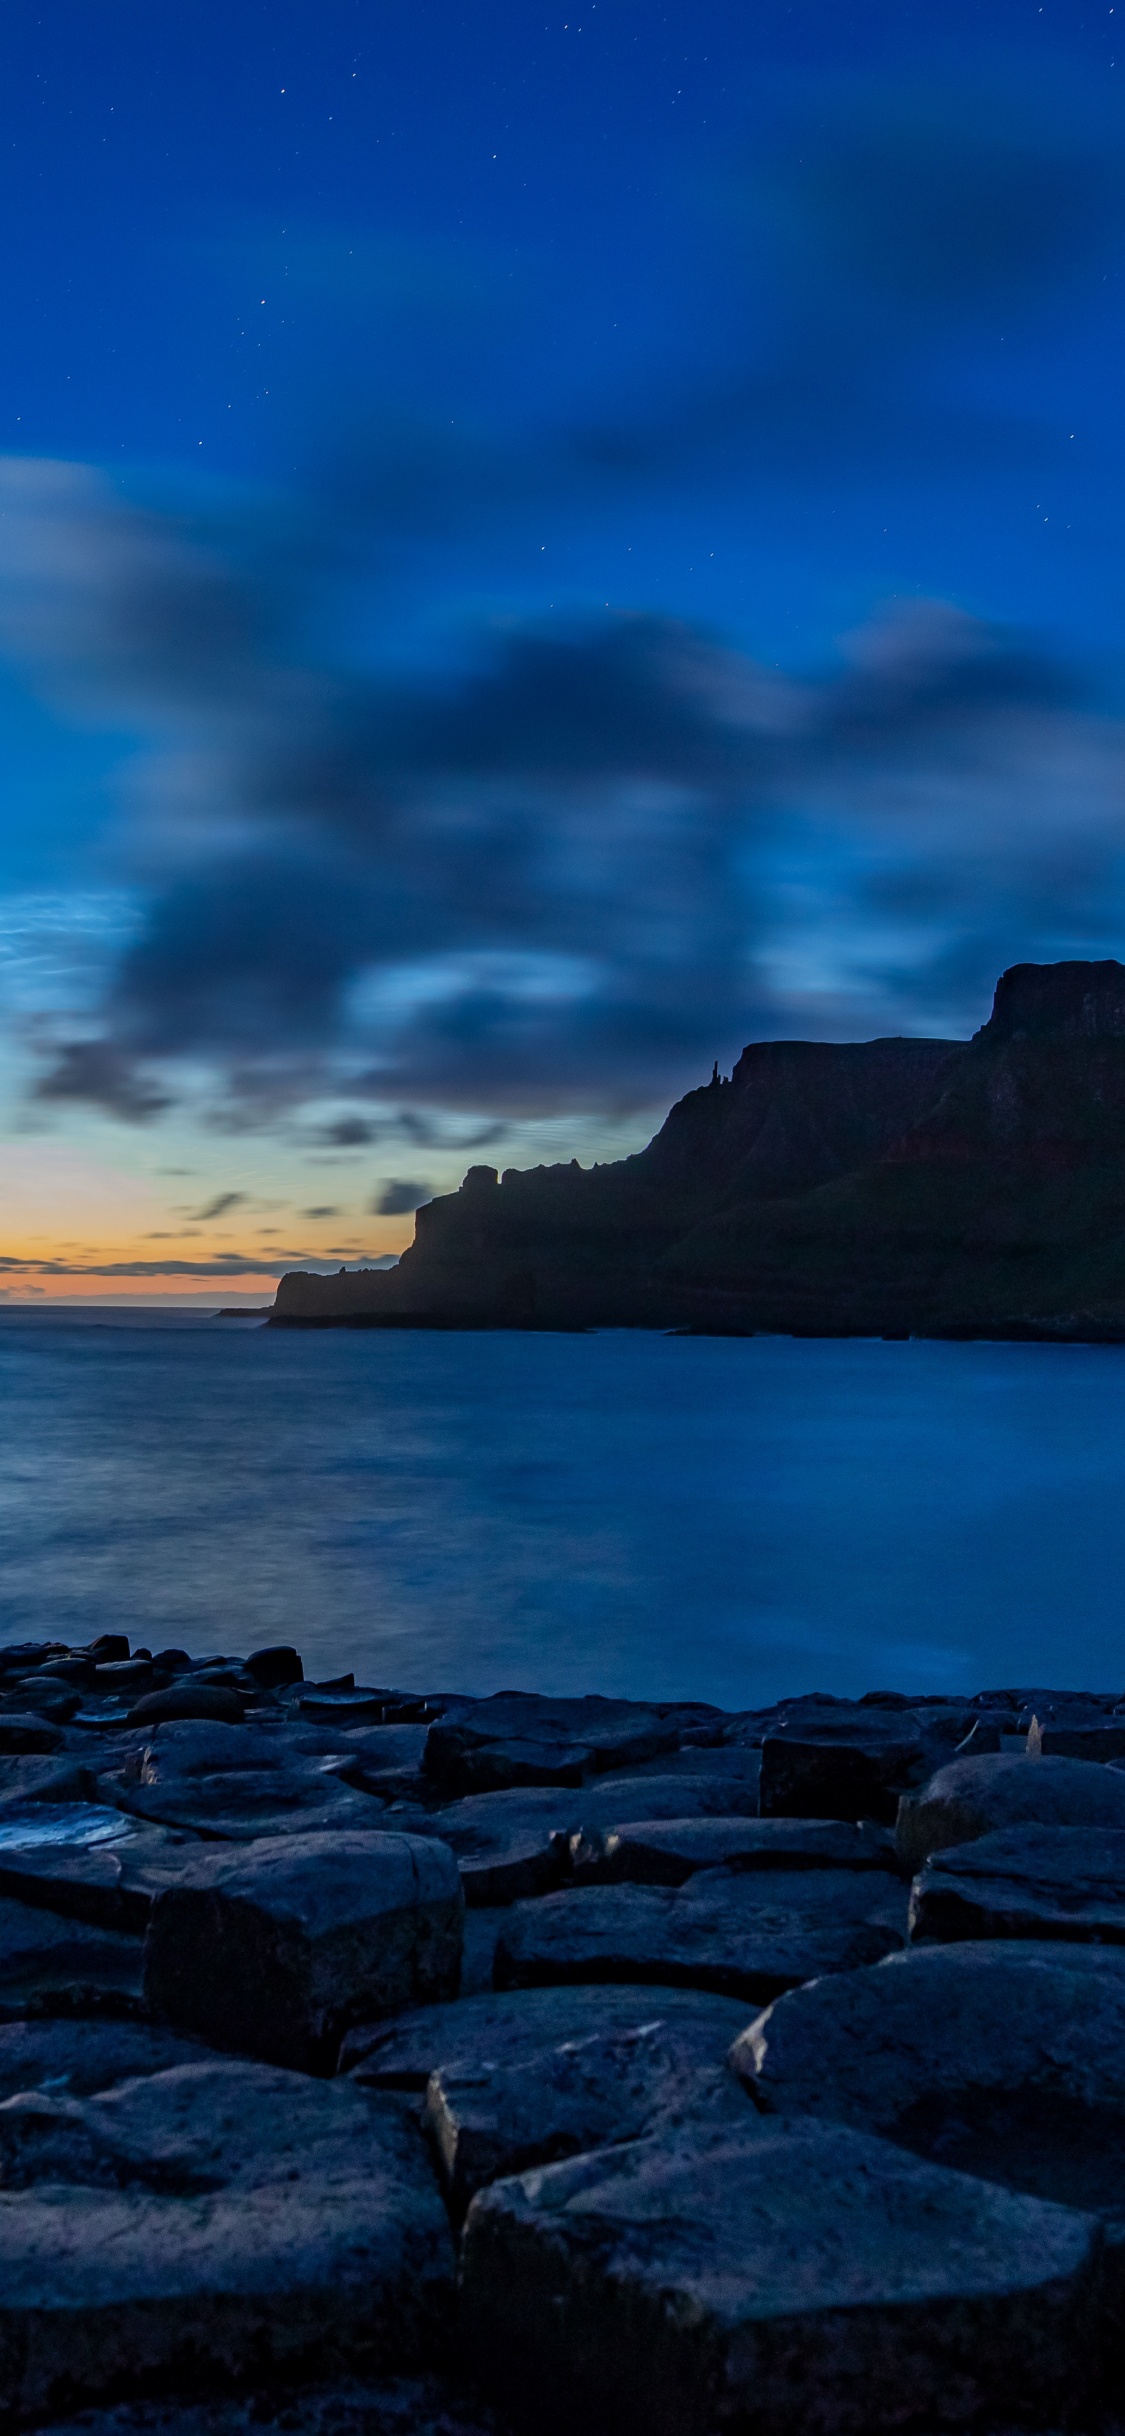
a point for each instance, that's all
(666, 1852)
(1004, 2060)
(519, 1739)
(48, 1965)
(783, 2280)
(848, 1767)
(219, 2220)
(974, 1797)
(387, 2406)
(747, 1934)
(514, 2027)
(520, 1843)
(275, 1950)
(1025, 1882)
(76, 2058)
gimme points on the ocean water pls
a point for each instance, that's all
(621, 1512)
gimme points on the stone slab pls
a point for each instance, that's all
(516, 1844)
(208, 2224)
(667, 1852)
(510, 2029)
(791, 2280)
(76, 2058)
(109, 1884)
(975, 1797)
(747, 1935)
(666, 2073)
(48, 1965)
(518, 1738)
(1042, 1882)
(275, 1948)
(853, 1767)
(1005, 2060)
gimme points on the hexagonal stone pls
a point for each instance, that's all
(510, 2029)
(519, 1738)
(209, 2224)
(667, 1852)
(76, 2058)
(974, 1797)
(781, 2281)
(48, 1965)
(853, 1766)
(1005, 2060)
(274, 1948)
(1025, 1882)
(667, 2072)
(748, 1935)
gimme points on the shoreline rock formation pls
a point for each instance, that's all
(891, 1187)
(567, 2065)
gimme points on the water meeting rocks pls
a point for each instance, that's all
(974, 1797)
(779, 2280)
(1025, 1882)
(276, 1948)
(747, 1934)
(207, 2224)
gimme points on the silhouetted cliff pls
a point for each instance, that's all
(894, 1186)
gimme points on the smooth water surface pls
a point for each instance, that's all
(622, 1512)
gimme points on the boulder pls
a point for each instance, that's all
(215, 1701)
(236, 1783)
(739, 1934)
(21, 1732)
(512, 2028)
(75, 2058)
(109, 1883)
(776, 2281)
(487, 2119)
(972, 1797)
(1025, 1882)
(207, 2225)
(666, 1852)
(383, 1759)
(1098, 1739)
(517, 1738)
(1005, 2060)
(849, 1767)
(276, 1948)
(49, 1965)
(42, 1779)
(275, 1666)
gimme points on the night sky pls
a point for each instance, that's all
(536, 545)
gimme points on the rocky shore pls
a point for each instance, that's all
(391, 2064)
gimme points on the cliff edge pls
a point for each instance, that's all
(927, 1187)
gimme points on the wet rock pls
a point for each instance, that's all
(517, 1738)
(487, 2119)
(209, 2224)
(850, 1767)
(748, 1935)
(1004, 2060)
(1025, 1882)
(272, 1667)
(44, 1696)
(236, 1783)
(668, 1852)
(21, 1731)
(973, 1797)
(384, 1759)
(189, 1700)
(511, 2029)
(50, 1965)
(779, 2280)
(109, 1883)
(121, 1675)
(276, 1948)
(76, 2058)
(43, 1779)
(736, 1765)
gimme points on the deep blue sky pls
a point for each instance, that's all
(536, 544)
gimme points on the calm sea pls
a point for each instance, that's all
(623, 1513)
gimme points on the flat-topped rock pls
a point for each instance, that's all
(1005, 2060)
(1025, 1882)
(517, 1844)
(43, 1777)
(667, 1852)
(48, 1965)
(739, 1934)
(974, 1797)
(76, 2058)
(234, 1782)
(853, 1766)
(517, 1738)
(511, 2028)
(208, 2224)
(780, 2281)
(668, 2073)
(109, 1882)
(275, 1948)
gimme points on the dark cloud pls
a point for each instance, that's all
(398, 1198)
(219, 1206)
(324, 1209)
